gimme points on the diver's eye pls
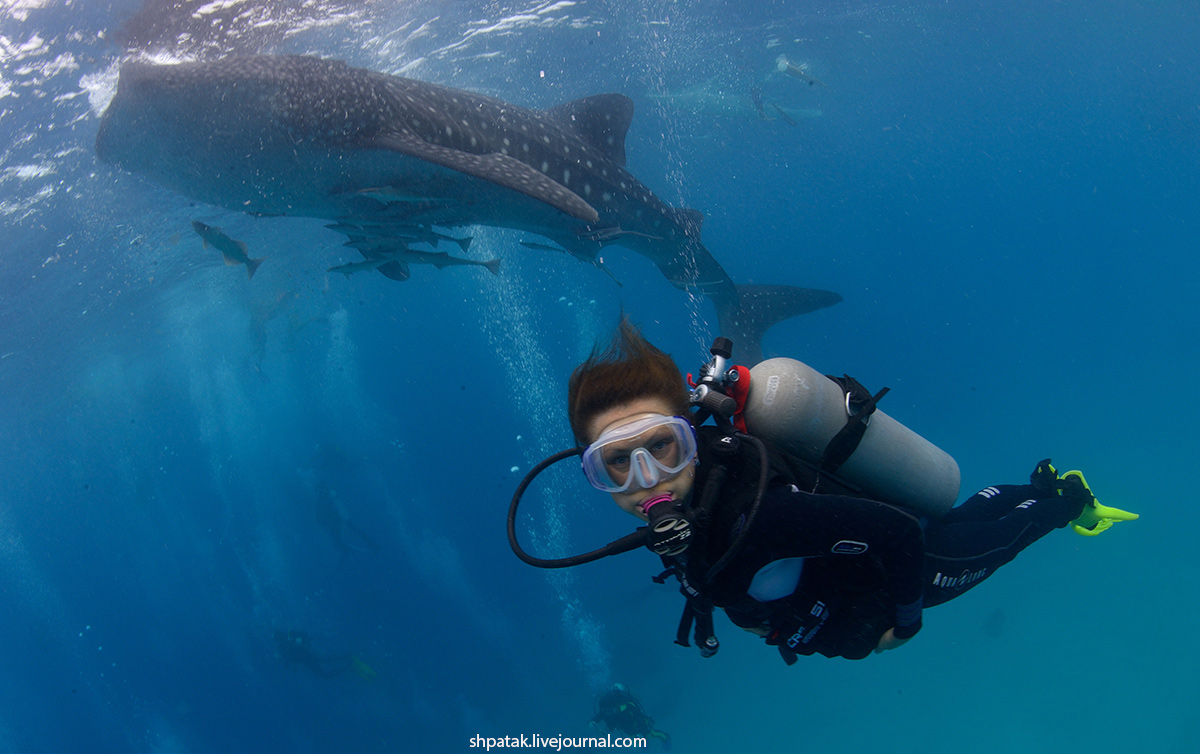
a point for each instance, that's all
(663, 447)
(618, 461)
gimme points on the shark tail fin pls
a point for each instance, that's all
(757, 308)
(492, 265)
(465, 243)
(252, 266)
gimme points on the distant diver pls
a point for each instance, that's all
(295, 648)
(620, 712)
(231, 249)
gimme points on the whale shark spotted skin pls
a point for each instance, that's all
(306, 136)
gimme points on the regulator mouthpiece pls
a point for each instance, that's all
(670, 530)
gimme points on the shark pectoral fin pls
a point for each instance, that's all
(499, 169)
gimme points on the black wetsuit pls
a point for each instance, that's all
(830, 574)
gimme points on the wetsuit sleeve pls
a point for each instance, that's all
(799, 524)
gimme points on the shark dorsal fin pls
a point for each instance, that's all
(602, 120)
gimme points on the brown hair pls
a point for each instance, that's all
(628, 369)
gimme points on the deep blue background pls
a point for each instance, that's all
(1006, 194)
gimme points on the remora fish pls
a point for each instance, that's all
(350, 268)
(233, 250)
(399, 251)
(379, 252)
(414, 233)
(293, 135)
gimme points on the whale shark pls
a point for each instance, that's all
(395, 157)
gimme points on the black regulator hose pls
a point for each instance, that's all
(764, 470)
(624, 544)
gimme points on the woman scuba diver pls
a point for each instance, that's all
(736, 520)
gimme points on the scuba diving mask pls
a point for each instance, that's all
(640, 453)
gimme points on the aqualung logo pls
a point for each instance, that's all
(849, 547)
(818, 614)
(966, 578)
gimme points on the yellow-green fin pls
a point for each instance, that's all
(1096, 518)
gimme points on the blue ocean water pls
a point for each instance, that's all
(1006, 195)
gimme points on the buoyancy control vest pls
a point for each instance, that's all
(823, 435)
(728, 480)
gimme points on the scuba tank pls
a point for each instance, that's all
(802, 410)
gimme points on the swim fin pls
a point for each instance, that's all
(1096, 518)
(666, 739)
(1045, 478)
(364, 671)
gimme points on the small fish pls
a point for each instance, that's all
(609, 234)
(388, 230)
(395, 195)
(439, 259)
(542, 246)
(397, 250)
(406, 257)
(353, 267)
(233, 250)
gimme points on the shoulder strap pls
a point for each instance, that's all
(860, 404)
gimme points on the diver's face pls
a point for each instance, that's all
(679, 486)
